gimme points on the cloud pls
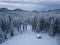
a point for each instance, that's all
(19, 5)
(31, 5)
(37, 2)
(34, 1)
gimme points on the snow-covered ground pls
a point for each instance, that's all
(29, 38)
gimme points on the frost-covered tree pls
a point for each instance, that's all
(42, 24)
(51, 29)
(56, 26)
(34, 23)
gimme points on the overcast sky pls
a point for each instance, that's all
(30, 4)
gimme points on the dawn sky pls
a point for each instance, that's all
(30, 4)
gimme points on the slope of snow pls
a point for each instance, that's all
(29, 38)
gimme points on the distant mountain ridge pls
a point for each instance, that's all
(58, 10)
(18, 9)
(5, 10)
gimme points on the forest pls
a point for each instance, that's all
(11, 21)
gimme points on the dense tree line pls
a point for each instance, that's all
(9, 25)
(51, 25)
(41, 22)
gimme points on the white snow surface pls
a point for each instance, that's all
(29, 38)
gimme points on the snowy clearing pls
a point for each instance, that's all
(30, 39)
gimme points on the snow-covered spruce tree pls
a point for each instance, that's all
(11, 25)
(2, 39)
(47, 23)
(6, 26)
(42, 24)
(17, 23)
(34, 23)
(1, 32)
(3, 26)
(52, 27)
(56, 26)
